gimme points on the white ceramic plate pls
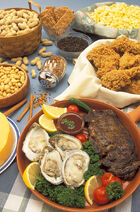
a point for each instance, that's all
(13, 153)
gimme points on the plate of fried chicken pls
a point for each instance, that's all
(117, 64)
(107, 70)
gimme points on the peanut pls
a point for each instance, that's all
(24, 67)
(10, 80)
(16, 59)
(46, 54)
(39, 64)
(18, 63)
(1, 59)
(14, 22)
(34, 61)
(33, 73)
(42, 50)
(25, 60)
(46, 42)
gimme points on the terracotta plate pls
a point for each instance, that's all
(127, 121)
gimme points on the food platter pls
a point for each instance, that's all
(13, 153)
(125, 119)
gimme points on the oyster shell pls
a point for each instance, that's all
(36, 140)
(74, 166)
(51, 167)
(64, 144)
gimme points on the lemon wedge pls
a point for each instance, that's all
(91, 184)
(30, 174)
(47, 123)
(53, 112)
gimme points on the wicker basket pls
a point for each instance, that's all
(20, 45)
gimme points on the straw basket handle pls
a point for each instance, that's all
(30, 2)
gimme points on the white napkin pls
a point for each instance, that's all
(83, 83)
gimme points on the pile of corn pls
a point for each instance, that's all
(118, 15)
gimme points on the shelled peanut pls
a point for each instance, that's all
(11, 80)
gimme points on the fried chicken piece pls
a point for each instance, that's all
(129, 60)
(124, 44)
(118, 79)
(96, 55)
(104, 59)
(135, 49)
(134, 87)
(59, 12)
(108, 64)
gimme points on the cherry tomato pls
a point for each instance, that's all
(81, 137)
(113, 179)
(106, 178)
(100, 196)
(73, 108)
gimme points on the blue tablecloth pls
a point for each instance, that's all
(14, 195)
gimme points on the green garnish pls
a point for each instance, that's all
(80, 103)
(60, 193)
(70, 124)
(94, 167)
(114, 191)
(51, 134)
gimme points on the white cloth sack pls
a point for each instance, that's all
(83, 83)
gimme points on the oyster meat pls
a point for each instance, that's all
(74, 166)
(51, 167)
(64, 144)
(35, 142)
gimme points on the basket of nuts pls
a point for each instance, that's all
(14, 84)
(20, 31)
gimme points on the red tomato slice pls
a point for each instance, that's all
(106, 178)
(81, 137)
(100, 196)
(73, 108)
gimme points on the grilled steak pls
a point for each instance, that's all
(113, 143)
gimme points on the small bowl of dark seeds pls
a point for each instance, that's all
(72, 45)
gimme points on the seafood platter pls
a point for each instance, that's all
(86, 148)
(81, 152)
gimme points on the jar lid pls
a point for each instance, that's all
(47, 79)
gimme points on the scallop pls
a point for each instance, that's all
(74, 167)
(51, 167)
(64, 144)
(36, 140)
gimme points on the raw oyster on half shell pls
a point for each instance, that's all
(74, 167)
(64, 144)
(36, 140)
(51, 167)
